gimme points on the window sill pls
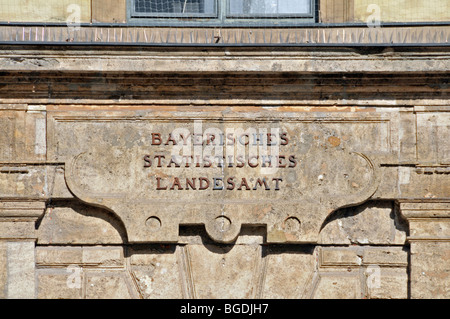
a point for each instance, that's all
(438, 35)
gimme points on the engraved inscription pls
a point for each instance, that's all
(158, 173)
(224, 157)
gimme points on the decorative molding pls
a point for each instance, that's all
(305, 36)
(21, 210)
(428, 221)
(429, 170)
(17, 219)
(150, 213)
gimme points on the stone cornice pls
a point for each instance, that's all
(319, 34)
(18, 219)
(292, 76)
(223, 60)
(428, 220)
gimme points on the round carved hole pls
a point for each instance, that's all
(153, 223)
(223, 223)
(292, 225)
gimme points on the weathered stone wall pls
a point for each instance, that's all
(197, 267)
(402, 11)
(45, 10)
(363, 213)
(330, 11)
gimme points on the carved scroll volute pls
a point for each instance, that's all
(75, 183)
(360, 178)
(368, 167)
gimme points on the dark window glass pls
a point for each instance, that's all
(174, 6)
(270, 7)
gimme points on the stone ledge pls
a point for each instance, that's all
(17, 219)
(362, 256)
(350, 35)
(222, 60)
(428, 221)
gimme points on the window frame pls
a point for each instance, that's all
(228, 14)
(174, 15)
(222, 18)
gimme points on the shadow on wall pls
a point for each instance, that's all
(72, 222)
(374, 222)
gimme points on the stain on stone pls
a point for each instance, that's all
(334, 141)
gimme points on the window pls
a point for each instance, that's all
(222, 12)
(269, 7)
(174, 8)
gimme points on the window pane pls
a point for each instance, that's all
(257, 7)
(174, 6)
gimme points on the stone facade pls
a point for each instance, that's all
(79, 230)
(347, 195)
